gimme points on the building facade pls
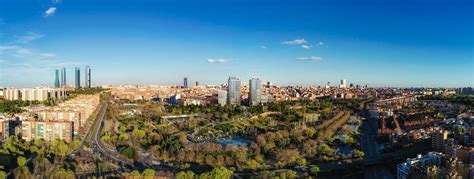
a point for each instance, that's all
(77, 73)
(32, 94)
(63, 77)
(185, 83)
(87, 71)
(255, 91)
(222, 98)
(57, 83)
(438, 139)
(233, 91)
(46, 130)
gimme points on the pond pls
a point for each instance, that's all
(345, 150)
(237, 141)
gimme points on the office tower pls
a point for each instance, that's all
(222, 98)
(185, 83)
(63, 77)
(77, 72)
(197, 83)
(233, 90)
(343, 83)
(438, 139)
(328, 85)
(87, 83)
(56, 81)
(269, 84)
(255, 91)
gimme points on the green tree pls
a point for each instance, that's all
(148, 173)
(185, 175)
(21, 161)
(314, 170)
(288, 174)
(3, 175)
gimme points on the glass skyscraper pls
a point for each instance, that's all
(77, 73)
(233, 90)
(63, 77)
(56, 80)
(185, 83)
(255, 91)
(87, 71)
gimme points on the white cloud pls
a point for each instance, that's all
(320, 44)
(50, 11)
(217, 60)
(55, 1)
(30, 36)
(309, 58)
(8, 47)
(48, 55)
(23, 51)
(306, 46)
(295, 42)
(263, 46)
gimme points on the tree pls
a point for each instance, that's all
(3, 175)
(315, 170)
(221, 172)
(148, 173)
(21, 161)
(62, 173)
(185, 175)
(137, 133)
(288, 174)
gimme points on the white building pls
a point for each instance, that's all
(343, 83)
(222, 98)
(30, 94)
(403, 169)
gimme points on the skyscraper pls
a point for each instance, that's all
(254, 91)
(233, 90)
(222, 98)
(185, 83)
(63, 77)
(77, 72)
(56, 81)
(343, 83)
(197, 83)
(87, 83)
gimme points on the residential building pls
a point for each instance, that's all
(255, 91)
(438, 140)
(222, 98)
(31, 94)
(46, 130)
(233, 91)
(405, 169)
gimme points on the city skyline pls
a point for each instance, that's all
(305, 43)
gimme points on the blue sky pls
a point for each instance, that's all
(383, 43)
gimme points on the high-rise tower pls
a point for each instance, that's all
(77, 73)
(233, 91)
(254, 91)
(185, 83)
(87, 82)
(63, 77)
(56, 80)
